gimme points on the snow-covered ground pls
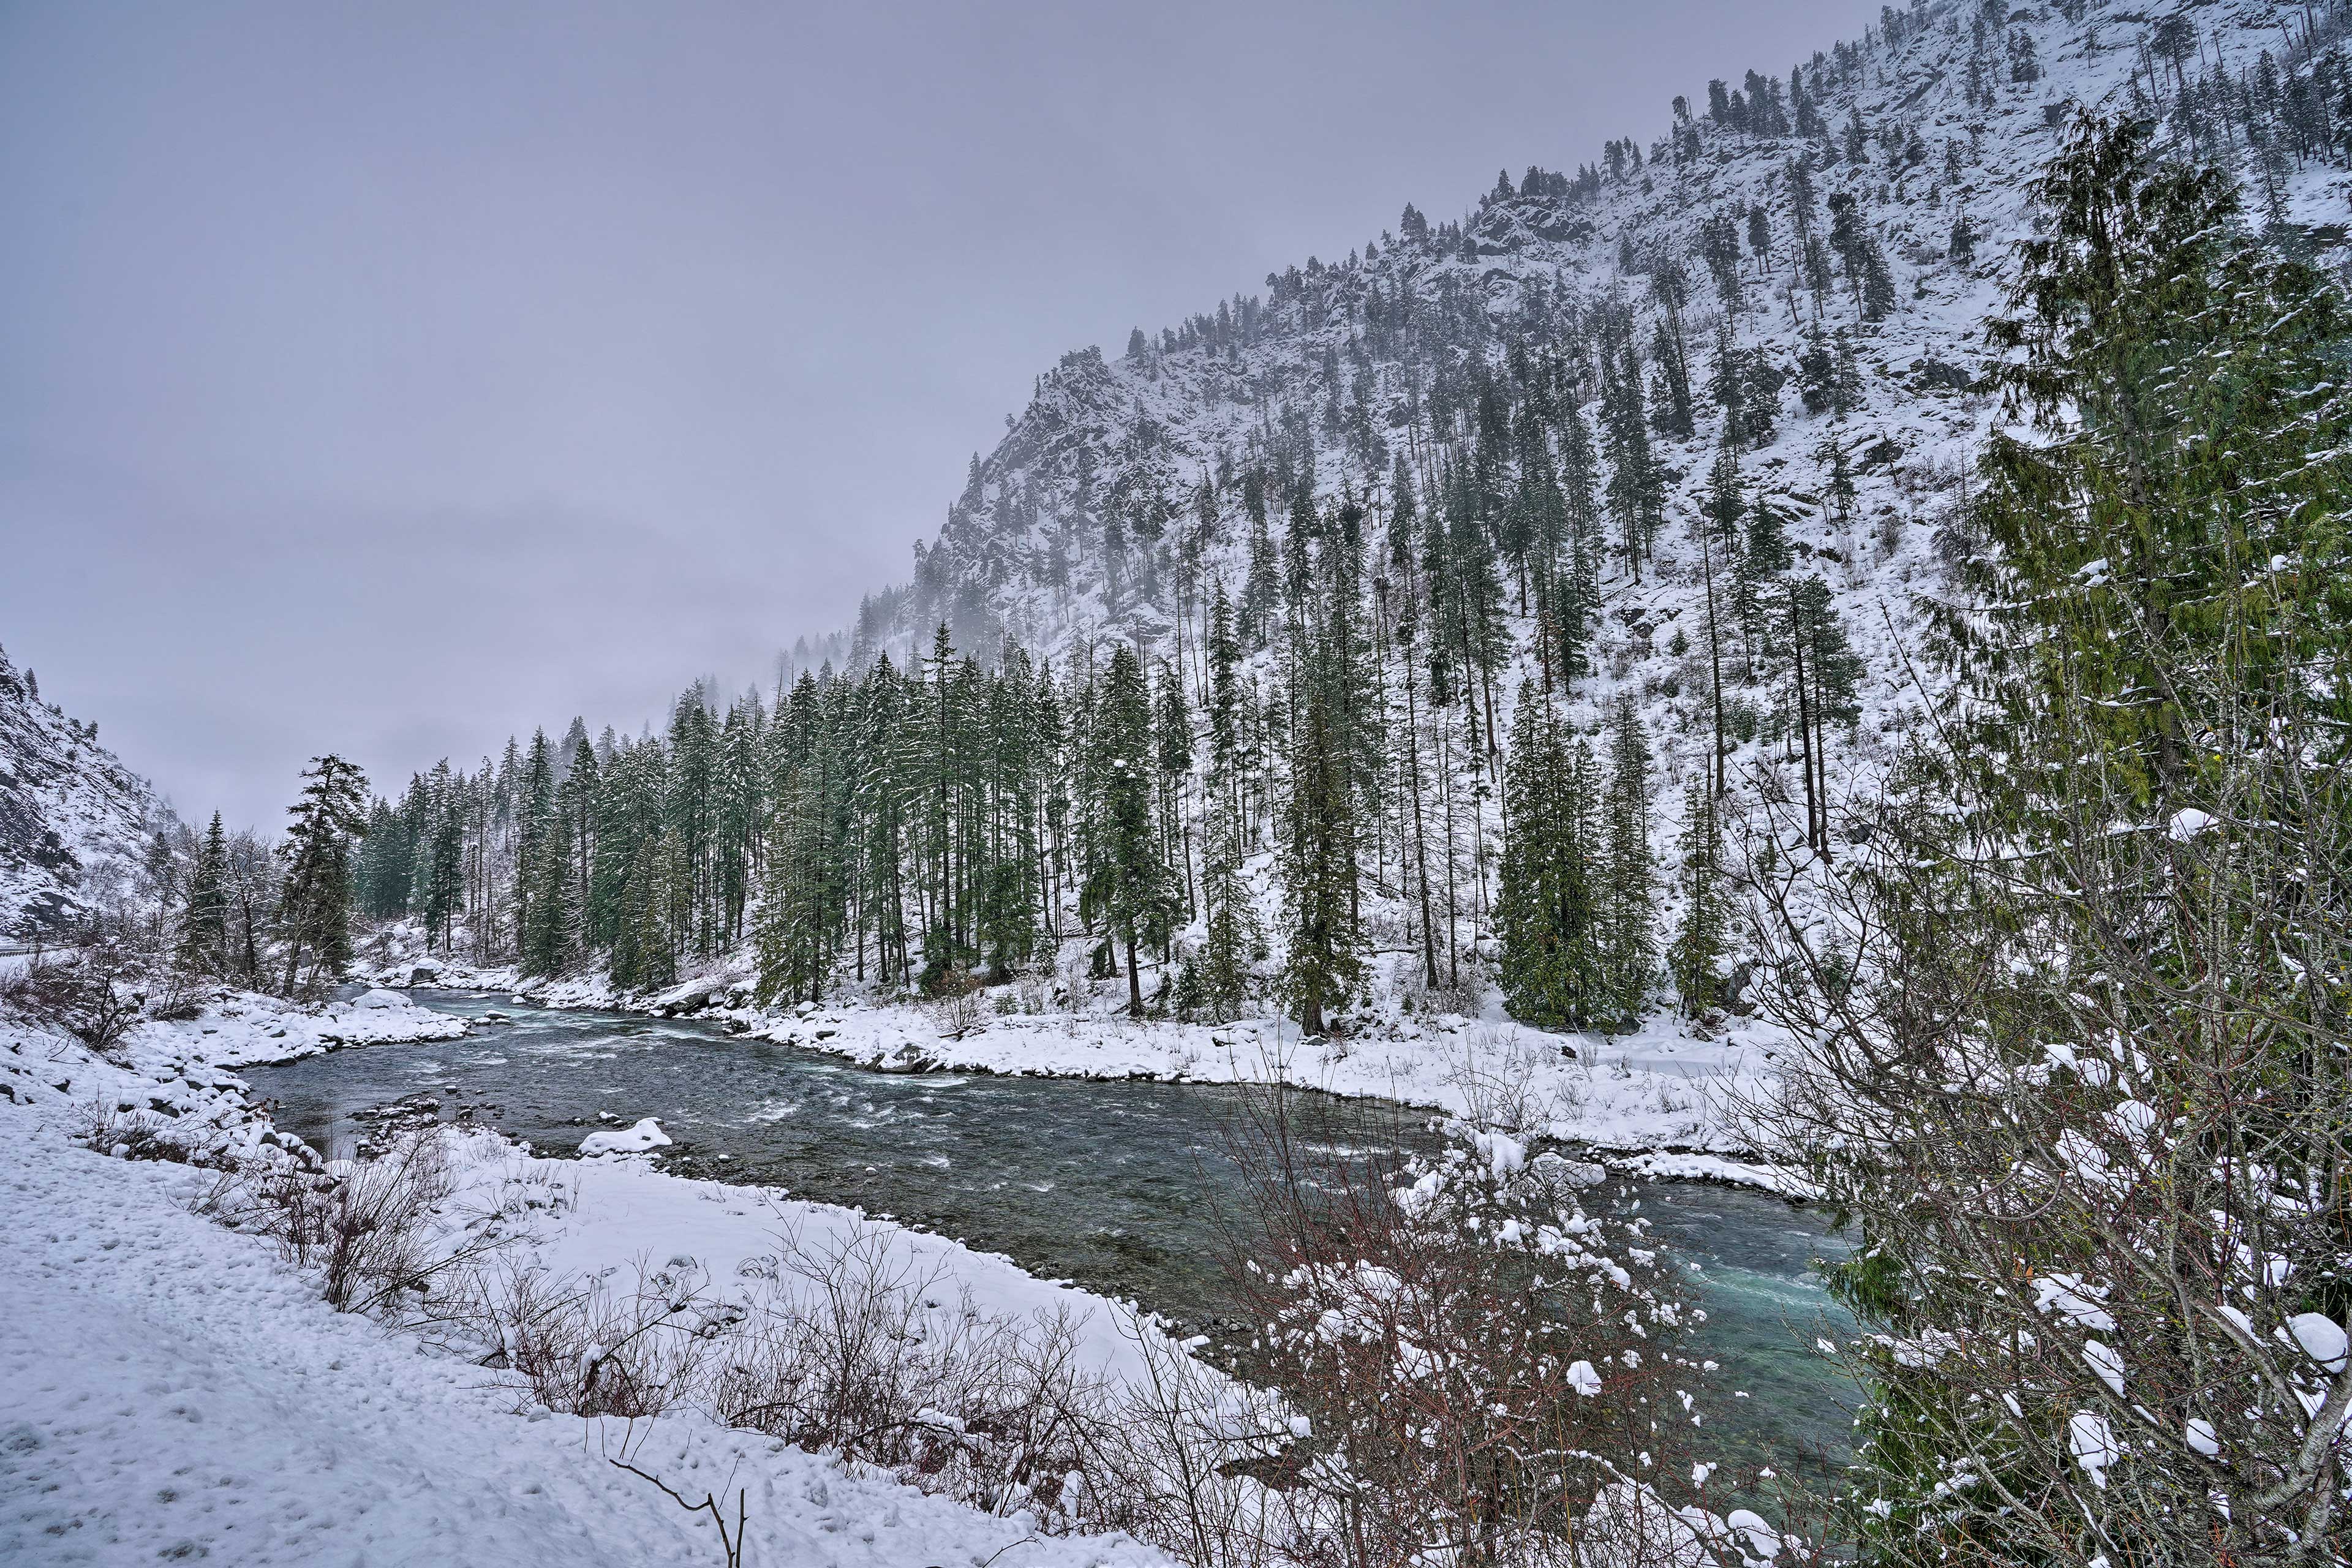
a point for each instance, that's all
(245, 1030)
(176, 1074)
(1660, 1087)
(177, 1391)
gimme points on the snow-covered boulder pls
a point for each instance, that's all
(642, 1139)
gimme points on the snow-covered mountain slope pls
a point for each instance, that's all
(1942, 112)
(74, 821)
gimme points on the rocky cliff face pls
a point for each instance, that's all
(74, 821)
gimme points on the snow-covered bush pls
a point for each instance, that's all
(1473, 1359)
(135, 1133)
(576, 1347)
(368, 1226)
(92, 993)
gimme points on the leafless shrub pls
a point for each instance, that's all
(1890, 533)
(88, 992)
(581, 1349)
(134, 1134)
(1034, 988)
(372, 1228)
(858, 1348)
(1473, 1368)
(224, 1200)
(21, 985)
(1494, 1069)
(374, 1222)
(1182, 1463)
(1465, 997)
(179, 996)
(960, 1004)
(1074, 987)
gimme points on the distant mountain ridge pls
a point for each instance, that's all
(74, 821)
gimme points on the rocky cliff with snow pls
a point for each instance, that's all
(1116, 496)
(74, 821)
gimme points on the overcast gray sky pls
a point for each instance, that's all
(389, 378)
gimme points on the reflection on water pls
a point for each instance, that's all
(1112, 1185)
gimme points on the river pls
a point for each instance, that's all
(1112, 1185)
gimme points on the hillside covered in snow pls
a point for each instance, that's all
(1119, 493)
(74, 821)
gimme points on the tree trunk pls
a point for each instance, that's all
(1713, 651)
(1420, 835)
(1813, 836)
(1134, 979)
(1821, 756)
(1452, 907)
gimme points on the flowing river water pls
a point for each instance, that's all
(1115, 1186)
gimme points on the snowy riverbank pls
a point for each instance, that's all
(177, 1390)
(1663, 1100)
